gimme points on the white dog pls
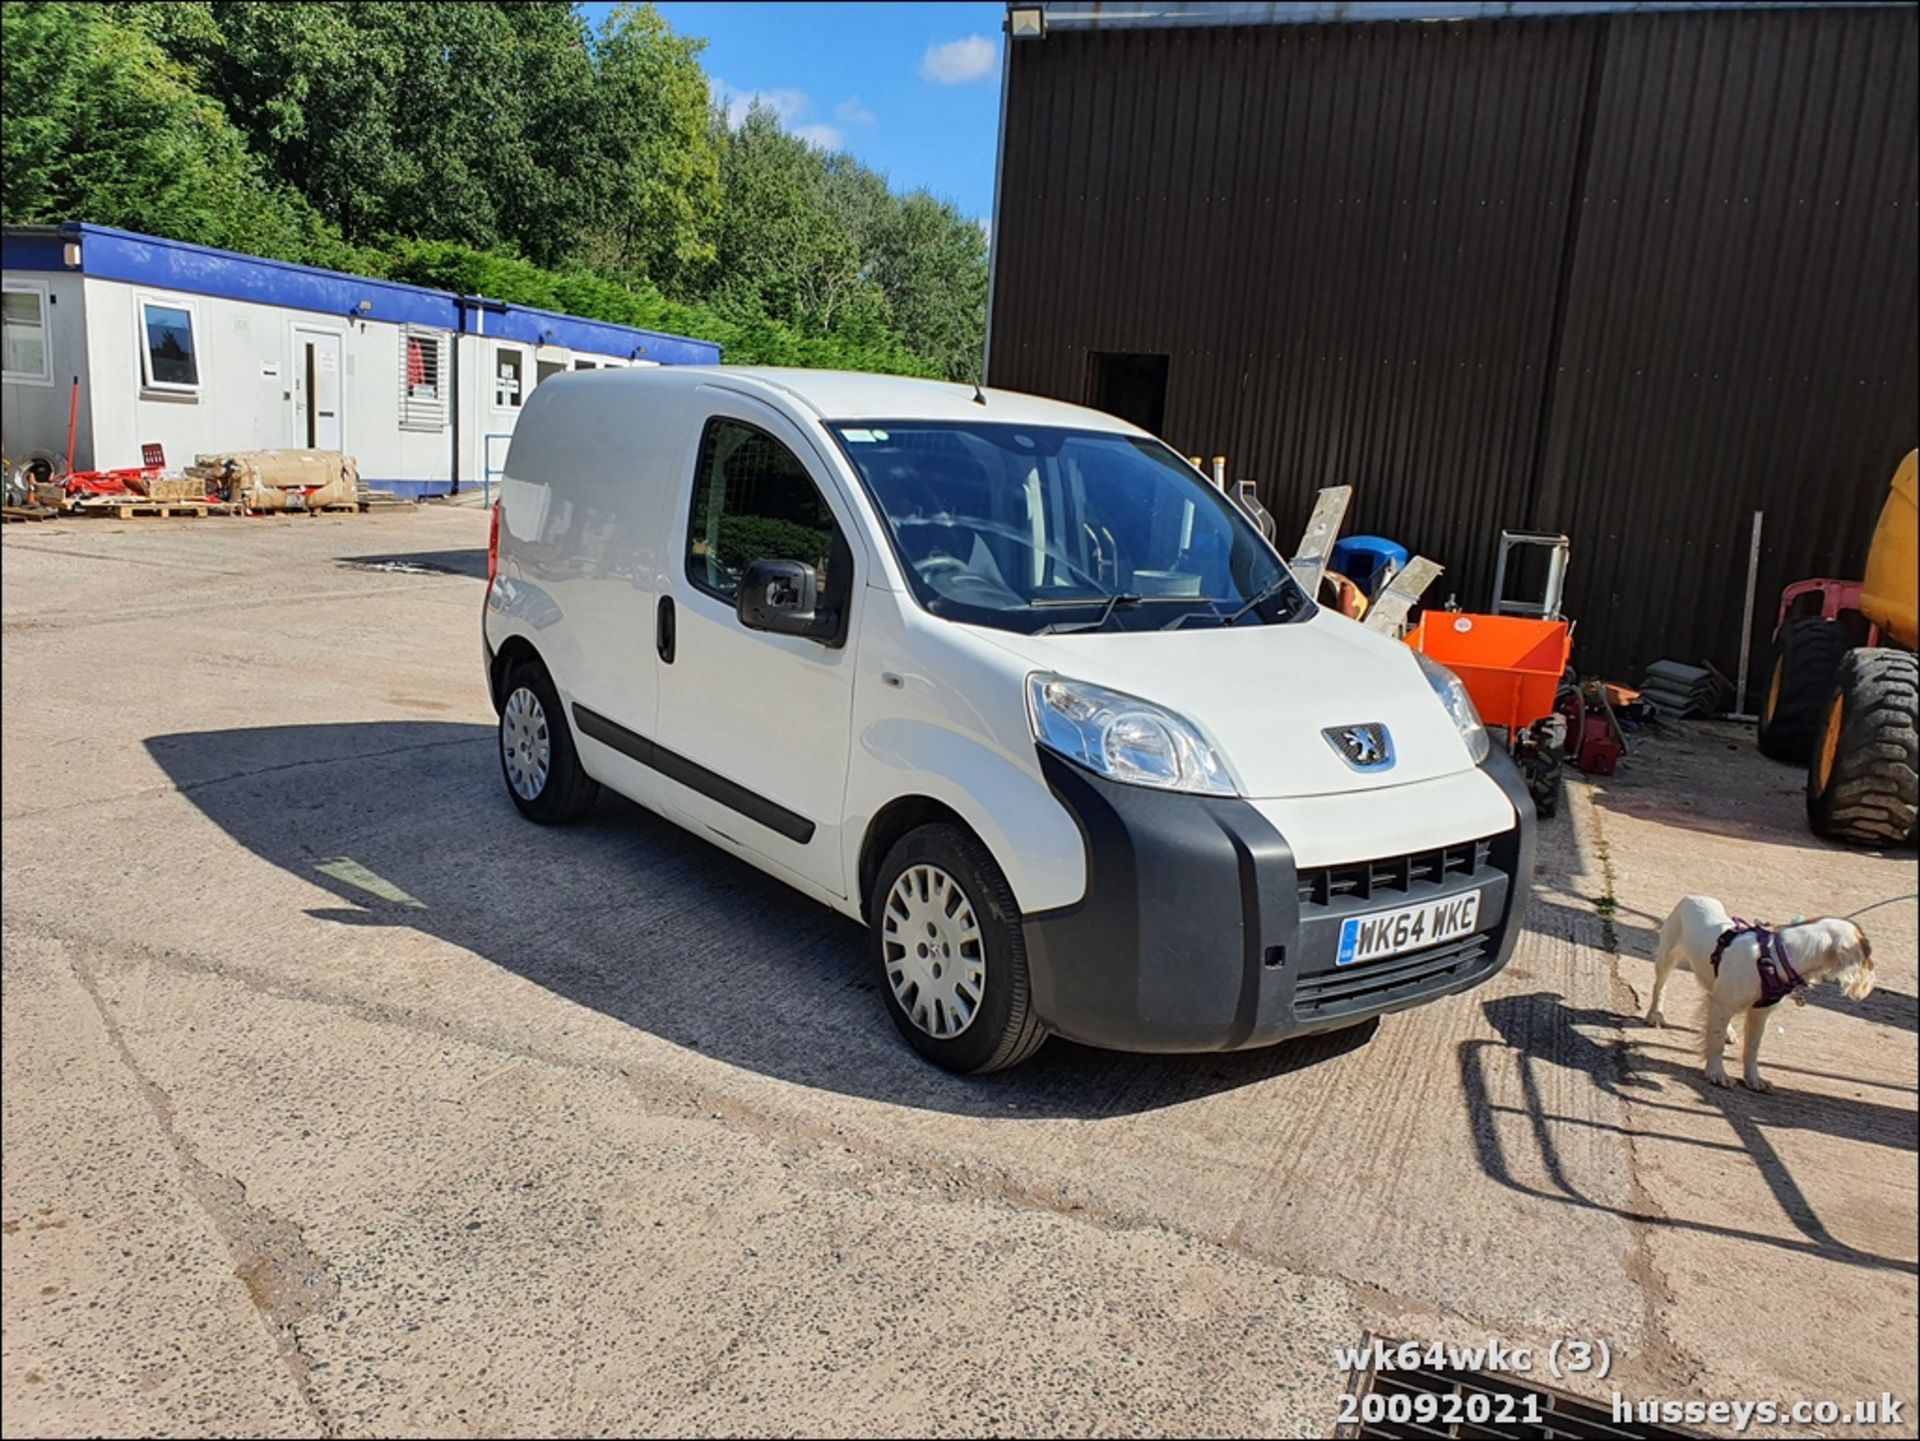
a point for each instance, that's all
(1747, 968)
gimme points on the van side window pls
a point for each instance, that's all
(753, 500)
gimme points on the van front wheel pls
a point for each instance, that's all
(946, 940)
(537, 759)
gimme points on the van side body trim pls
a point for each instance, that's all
(735, 797)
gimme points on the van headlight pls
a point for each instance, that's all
(1123, 737)
(1460, 709)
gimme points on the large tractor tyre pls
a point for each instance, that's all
(1806, 659)
(1864, 783)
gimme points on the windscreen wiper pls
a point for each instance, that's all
(1261, 599)
(1266, 595)
(1114, 602)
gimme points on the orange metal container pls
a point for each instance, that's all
(1511, 665)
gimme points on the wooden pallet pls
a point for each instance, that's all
(129, 510)
(29, 512)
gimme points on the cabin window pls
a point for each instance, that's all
(545, 370)
(423, 395)
(169, 359)
(583, 365)
(509, 369)
(23, 324)
(754, 500)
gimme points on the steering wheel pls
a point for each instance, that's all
(937, 565)
(1027, 542)
(955, 579)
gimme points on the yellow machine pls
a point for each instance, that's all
(1845, 691)
(1890, 598)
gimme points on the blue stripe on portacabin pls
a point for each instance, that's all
(107, 254)
(598, 337)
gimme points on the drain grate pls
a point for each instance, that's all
(1424, 1403)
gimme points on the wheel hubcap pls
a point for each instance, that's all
(525, 745)
(935, 956)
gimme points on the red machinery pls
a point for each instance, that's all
(1595, 741)
(128, 480)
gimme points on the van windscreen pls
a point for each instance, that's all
(1038, 528)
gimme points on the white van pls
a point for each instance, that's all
(1008, 681)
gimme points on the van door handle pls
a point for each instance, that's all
(663, 629)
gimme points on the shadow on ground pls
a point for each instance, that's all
(629, 915)
(469, 561)
(1543, 1030)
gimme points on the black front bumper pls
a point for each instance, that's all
(1199, 933)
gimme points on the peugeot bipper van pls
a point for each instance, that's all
(1008, 681)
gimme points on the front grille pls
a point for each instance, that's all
(1374, 985)
(1392, 875)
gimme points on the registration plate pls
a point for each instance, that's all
(1388, 933)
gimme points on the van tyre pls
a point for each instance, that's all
(1863, 784)
(538, 760)
(1806, 659)
(946, 940)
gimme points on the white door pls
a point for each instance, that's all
(753, 726)
(316, 389)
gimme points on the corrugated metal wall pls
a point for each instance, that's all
(1633, 276)
(1741, 327)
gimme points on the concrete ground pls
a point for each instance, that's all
(339, 1100)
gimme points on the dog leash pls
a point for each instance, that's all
(1889, 901)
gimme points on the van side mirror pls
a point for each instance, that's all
(779, 596)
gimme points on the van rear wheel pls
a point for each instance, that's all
(946, 939)
(537, 757)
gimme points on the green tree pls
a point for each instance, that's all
(314, 93)
(438, 120)
(652, 172)
(490, 147)
(818, 242)
(100, 124)
(930, 262)
(786, 245)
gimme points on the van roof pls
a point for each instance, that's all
(853, 395)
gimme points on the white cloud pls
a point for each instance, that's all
(788, 105)
(960, 62)
(851, 112)
(824, 136)
(791, 108)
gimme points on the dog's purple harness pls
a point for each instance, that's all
(1778, 978)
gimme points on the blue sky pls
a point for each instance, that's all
(911, 89)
